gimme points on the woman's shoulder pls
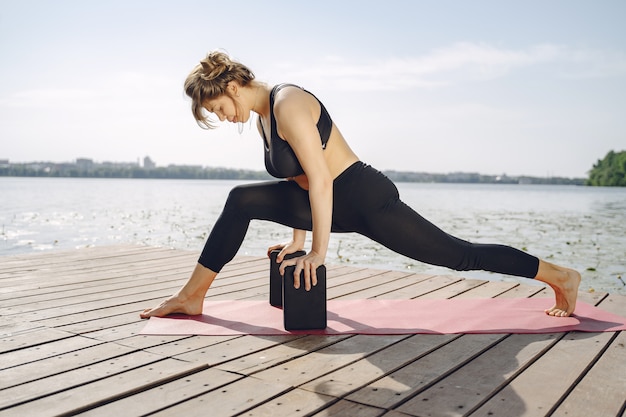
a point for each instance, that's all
(292, 97)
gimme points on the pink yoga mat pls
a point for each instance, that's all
(490, 315)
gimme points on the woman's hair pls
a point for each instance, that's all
(209, 79)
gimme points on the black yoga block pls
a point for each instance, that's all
(276, 281)
(304, 310)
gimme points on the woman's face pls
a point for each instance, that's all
(226, 109)
(223, 107)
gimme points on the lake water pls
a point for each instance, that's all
(581, 227)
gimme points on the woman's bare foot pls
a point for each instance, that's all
(174, 304)
(564, 282)
(189, 299)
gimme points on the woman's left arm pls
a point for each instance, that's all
(294, 111)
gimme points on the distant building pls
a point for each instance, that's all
(148, 163)
(120, 165)
(192, 167)
(84, 164)
(4, 163)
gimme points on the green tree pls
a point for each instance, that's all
(610, 171)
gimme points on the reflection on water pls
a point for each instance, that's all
(582, 227)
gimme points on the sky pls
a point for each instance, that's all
(518, 88)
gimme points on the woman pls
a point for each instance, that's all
(326, 189)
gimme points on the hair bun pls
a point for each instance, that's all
(214, 65)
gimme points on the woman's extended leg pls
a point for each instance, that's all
(406, 232)
(380, 215)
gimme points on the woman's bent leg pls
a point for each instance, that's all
(282, 202)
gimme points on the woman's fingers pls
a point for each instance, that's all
(284, 252)
(273, 248)
(304, 271)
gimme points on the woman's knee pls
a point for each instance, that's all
(236, 198)
(243, 196)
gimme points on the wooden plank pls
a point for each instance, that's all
(485, 375)
(399, 280)
(64, 268)
(393, 413)
(99, 392)
(83, 287)
(166, 270)
(420, 287)
(363, 280)
(13, 326)
(166, 345)
(464, 389)
(296, 402)
(191, 344)
(454, 289)
(89, 317)
(602, 390)
(87, 274)
(53, 384)
(353, 377)
(26, 260)
(80, 312)
(490, 289)
(56, 281)
(523, 291)
(124, 333)
(167, 394)
(44, 351)
(31, 337)
(229, 400)
(394, 388)
(109, 320)
(232, 349)
(90, 298)
(344, 408)
(535, 391)
(342, 385)
(279, 353)
(304, 369)
(60, 363)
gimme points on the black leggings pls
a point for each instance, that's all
(364, 201)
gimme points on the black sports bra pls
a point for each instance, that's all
(280, 160)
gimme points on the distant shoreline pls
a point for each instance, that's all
(87, 168)
(233, 174)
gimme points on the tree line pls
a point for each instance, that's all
(172, 172)
(205, 173)
(609, 171)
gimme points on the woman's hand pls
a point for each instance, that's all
(285, 249)
(296, 244)
(307, 263)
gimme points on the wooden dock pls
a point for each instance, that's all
(70, 346)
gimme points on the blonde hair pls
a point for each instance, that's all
(209, 80)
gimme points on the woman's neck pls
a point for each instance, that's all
(260, 94)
